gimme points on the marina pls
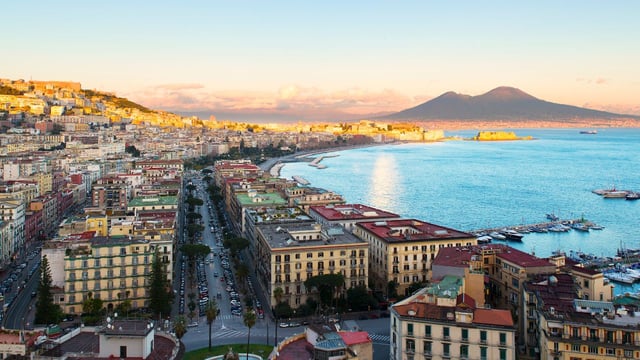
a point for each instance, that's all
(517, 233)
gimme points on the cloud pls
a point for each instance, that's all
(179, 86)
(596, 81)
(289, 99)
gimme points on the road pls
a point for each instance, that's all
(230, 329)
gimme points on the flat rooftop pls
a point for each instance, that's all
(407, 230)
(305, 234)
(351, 212)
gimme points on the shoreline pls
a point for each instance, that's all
(274, 165)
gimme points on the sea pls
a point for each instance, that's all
(469, 185)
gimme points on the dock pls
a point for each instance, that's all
(558, 225)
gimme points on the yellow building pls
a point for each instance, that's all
(401, 250)
(289, 253)
(445, 324)
(114, 269)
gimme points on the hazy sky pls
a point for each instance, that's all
(328, 57)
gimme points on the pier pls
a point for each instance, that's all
(543, 227)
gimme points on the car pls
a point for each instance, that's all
(33, 294)
(283, 325)
(193, 324)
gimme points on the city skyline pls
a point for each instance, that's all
(329, 60)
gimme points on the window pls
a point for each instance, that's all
(410, 329)
(503, 354)
(465, 334)
(427, 331)
(446, 350)
(427, 347)
(445, 333)
(483, 353)
(483, 337)
(575, 347)
(411, 346)
(464, 351)
(503, 339)
(593, 349)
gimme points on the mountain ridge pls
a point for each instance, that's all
(501, 103)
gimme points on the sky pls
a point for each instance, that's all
(327, 59)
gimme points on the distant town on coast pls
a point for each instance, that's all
(124, 226)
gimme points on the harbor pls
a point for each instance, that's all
(517, 233)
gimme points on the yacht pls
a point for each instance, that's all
(497, 236)
(511, 234)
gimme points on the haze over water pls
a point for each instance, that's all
(469, 185)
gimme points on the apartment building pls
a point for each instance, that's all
(401, 250)
(444, 323)
(114, 269)
(563, 327)
(289, 253)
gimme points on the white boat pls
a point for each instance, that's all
(484, 239)
(619, 277)
(511, 234)
(580, 227)
(497, 236)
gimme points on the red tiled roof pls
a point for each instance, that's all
(354, 337)
(496, 317)
(523, 259)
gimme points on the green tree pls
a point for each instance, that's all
(242, 272)
(359, 299)
(211, 311)
(326, 285)
(131, 149)
(46, 311)
(159, 289)
(192, 216)
(249, 321)
(92, 308)
(180, 326)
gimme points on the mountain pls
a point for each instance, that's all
(502, 103)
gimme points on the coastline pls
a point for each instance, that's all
(274, 165)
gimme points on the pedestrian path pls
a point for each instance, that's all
(377, 338)
(228, 333)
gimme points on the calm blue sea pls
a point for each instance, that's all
(470, 185)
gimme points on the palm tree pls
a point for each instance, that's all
(180, 326)
(249, 321)
(242, 272)
(212, 312)
(278, 293)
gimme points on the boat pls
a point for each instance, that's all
(512, 235)
(559, 228)
(552, 217)
(633, 196)
(615, 194)
(484, 239)
(596, 227)
(497, 236)
(580, 227)
(619, 276)
(589, 132)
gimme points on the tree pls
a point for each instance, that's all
(159, 289)
(326, 285)
(192, 216)
(277, 294)
(131, 149)
(359, 299)
(180, 327)
(242, 272)
(92, 308)
(46, 311)
(212, 312)
(249, 321)
(392, 290)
